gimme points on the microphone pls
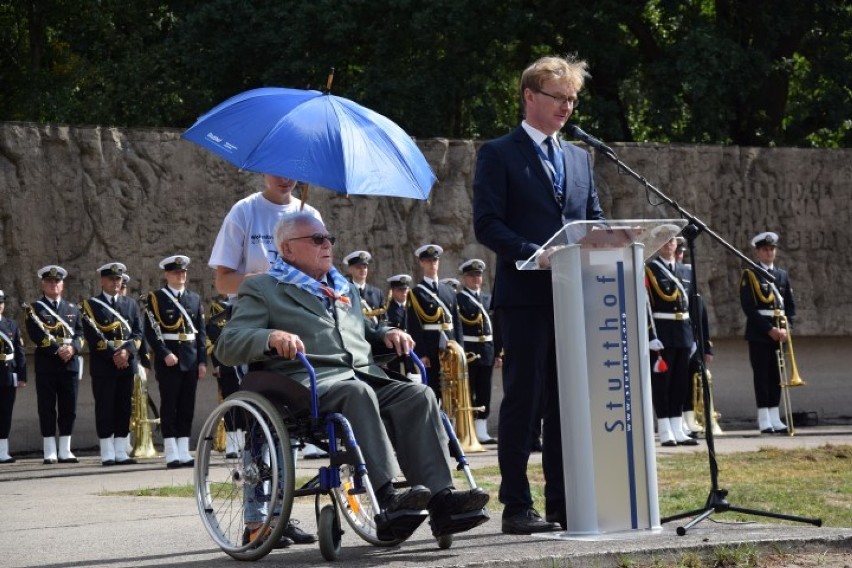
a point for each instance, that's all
(578, 133)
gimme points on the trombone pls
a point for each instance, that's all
(791, 380)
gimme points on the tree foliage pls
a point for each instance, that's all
(746, 72)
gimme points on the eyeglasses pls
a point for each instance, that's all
(573, 101)
(317, 238)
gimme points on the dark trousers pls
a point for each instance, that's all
(7, 403)
(177, 400)
(480, 387)
(767, 377)
(112, 404)
(228, 385)
(669, 389)
(57, 402)
(529, 393)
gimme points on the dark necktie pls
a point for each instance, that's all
(112, 301)
(555, 158)
(54, 304)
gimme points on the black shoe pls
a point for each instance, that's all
(173, 464)
(251, 535)
(688, 442)
(69, 460)
(9, 460)
(669, 444)
(231, 456)
(125, 461)
(781, 431)
(297, 535)
(189, 463)
(50, 461)
(557, 517)
(108, 463)
(528, 522)
(452, 502)
(767, 431)
(415, 498)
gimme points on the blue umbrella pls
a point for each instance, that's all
(317, 138)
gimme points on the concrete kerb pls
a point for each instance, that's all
(82, 522)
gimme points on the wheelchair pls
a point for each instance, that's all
(260, 482)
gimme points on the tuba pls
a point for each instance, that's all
(793, 379)
(140, 424)
(455, 396)
(698, 402)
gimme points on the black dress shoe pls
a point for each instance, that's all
(173, 464)
(10, 459)
(108, 463)
(767, 431)
(297, 535)
(69, 460)
(688, 442)
(559, 518)
(231, 456)
(125, 461)
(415, 498)
(528, 522)
(669, 444)
(50, 461)
(189, 463)
(453, 502)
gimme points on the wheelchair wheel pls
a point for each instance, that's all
(259, 481)
(330, 534)
(358, 510)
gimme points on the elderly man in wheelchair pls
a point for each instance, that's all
(304, 308)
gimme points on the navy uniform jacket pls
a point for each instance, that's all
(109, 335)
(427, 340)
(688, 284)
(371, 299)
(515, 211)
(177, 334)
(476, 325)
(397, 315)
(17, 357)
(757, 295)
(666, 298)
(46, 359)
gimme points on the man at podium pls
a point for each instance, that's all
(527, 185)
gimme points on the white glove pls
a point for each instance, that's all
(655, 345)
(693, 349)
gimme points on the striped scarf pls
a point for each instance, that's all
(288, 274)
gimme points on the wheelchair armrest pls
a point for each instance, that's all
(281, 389)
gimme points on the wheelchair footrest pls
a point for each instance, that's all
(398, 525)
(450, 524)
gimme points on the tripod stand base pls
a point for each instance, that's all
(716, 503)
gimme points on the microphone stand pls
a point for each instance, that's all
(716, 500)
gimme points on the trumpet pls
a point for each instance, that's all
(788, 381)
(455, 396)
(698, 402)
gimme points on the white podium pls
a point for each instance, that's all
(608, 453)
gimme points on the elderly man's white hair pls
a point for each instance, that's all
(285, 228)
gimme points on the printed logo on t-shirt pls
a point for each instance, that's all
(261, 239)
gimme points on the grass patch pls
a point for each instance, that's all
(802, 482)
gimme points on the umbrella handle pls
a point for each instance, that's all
(329, 80)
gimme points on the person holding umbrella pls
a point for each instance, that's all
(245, 247)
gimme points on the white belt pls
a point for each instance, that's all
(115, 344)
(179, 336)
(678, 316)
(771, 313)
(437, 326)
(67, 341)
(478, 338)
(8, 357)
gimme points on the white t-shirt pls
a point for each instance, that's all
(245, 242)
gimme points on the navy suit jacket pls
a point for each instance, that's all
(515, 211)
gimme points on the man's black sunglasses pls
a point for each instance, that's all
(317, 238)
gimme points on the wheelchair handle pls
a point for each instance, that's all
(310, 369)
(420, 367)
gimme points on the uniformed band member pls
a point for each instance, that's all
(671, 337)
(766, 305)
(399, 284)
(373, 301)
(113, 329)
(227, 379)
(478, 339)
(13, 375)
(432, 314)
(176, 334)
(54, 326)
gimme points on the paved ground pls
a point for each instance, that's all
(63, 515)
